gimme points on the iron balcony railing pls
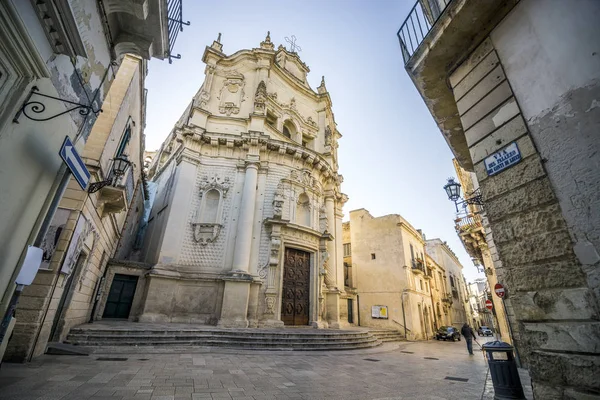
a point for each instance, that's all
(468, 223)
(417, 25)
(175, 25)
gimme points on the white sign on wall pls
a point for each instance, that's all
(503, 159)
(380, 312)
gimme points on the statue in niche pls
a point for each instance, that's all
(327, 136)
(260, 98)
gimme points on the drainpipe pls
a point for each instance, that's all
(403, 315)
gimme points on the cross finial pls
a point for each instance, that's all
(268, 38)
(219, 38)
(294, 48)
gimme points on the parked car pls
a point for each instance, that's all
(447, 333)
(484, 331)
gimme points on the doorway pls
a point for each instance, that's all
(296, 287)
(350, 312)
(120, 297)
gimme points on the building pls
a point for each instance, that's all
(87, 227)
(392, 277)
(350, 277)
(513, 86)
(455, 282)
(441, 299)
(58, 61)
(245, 229)
(472, 227)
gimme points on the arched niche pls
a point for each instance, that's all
(303, 210)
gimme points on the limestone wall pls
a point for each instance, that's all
(531, 212)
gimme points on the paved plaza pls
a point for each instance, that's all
(405, 370)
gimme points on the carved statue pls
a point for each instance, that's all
(327, 136)
(260, 98)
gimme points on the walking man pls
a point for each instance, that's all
(467, 332)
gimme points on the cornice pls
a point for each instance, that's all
(412, 231)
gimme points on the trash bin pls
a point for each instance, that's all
(503, 370)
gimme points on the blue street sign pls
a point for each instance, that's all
(75, 163)
(502, 159)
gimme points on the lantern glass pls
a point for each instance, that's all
(452, 189)
(120, 165)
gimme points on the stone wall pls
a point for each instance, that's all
(534, 254)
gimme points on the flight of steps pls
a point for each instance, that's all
(159, 339)
(387, 335)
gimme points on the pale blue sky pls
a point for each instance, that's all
(392, 154)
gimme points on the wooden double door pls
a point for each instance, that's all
(120, 297)
(295, 298)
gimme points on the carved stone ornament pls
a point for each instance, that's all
(232, 93)
(206, 233)
(304, 178)
(327, 136)
(222, 184)
(270, 305)
(260, 98)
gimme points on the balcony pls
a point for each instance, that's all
(417, 25)
(146, 28)
(418, 267)
(470, 231)
(434, 38)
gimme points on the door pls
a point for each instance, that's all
(120, 297)
(296, 287)
(350, 312)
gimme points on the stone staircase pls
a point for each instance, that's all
(146, 338)
(387, 335)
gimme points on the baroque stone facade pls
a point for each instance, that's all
(246, 225)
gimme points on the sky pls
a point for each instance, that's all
(392, 155)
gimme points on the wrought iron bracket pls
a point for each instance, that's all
(476, 198)
(94, 187)
(31, 107)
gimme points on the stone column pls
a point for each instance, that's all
(237, 284)
(333, 294)
(243, 241)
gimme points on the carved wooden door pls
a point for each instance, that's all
(296, 287)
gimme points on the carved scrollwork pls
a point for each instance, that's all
(232, 93)
(222, 184)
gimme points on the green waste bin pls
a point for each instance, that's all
(503, 370)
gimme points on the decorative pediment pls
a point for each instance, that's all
(221, 184)
(291, 63)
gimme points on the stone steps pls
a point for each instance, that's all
(385, 335)
(161, 340)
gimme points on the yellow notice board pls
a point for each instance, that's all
(380, 312)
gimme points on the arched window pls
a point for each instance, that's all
(286, 132)
(289, 129)
(211, 206)
(303, 210)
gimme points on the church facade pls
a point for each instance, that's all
(246, 224)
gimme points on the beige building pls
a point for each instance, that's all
(86, 227)
(441, 298)
(245, 229)
(392, 278)
(514, 88)
(455, 282)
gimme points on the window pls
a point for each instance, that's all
(347, 250)
(271, 119)
(347, 275)
(372, 256)
(420, 284)
(426, 287)
(412, 253)
(124, 141)
(286, 132)
(452, 281)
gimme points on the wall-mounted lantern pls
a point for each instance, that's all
(452, 189)
(119, 167)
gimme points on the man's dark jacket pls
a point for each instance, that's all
(467, 332)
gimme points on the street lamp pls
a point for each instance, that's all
(452, 189)
(120, 165)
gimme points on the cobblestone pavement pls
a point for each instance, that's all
(406, 370)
